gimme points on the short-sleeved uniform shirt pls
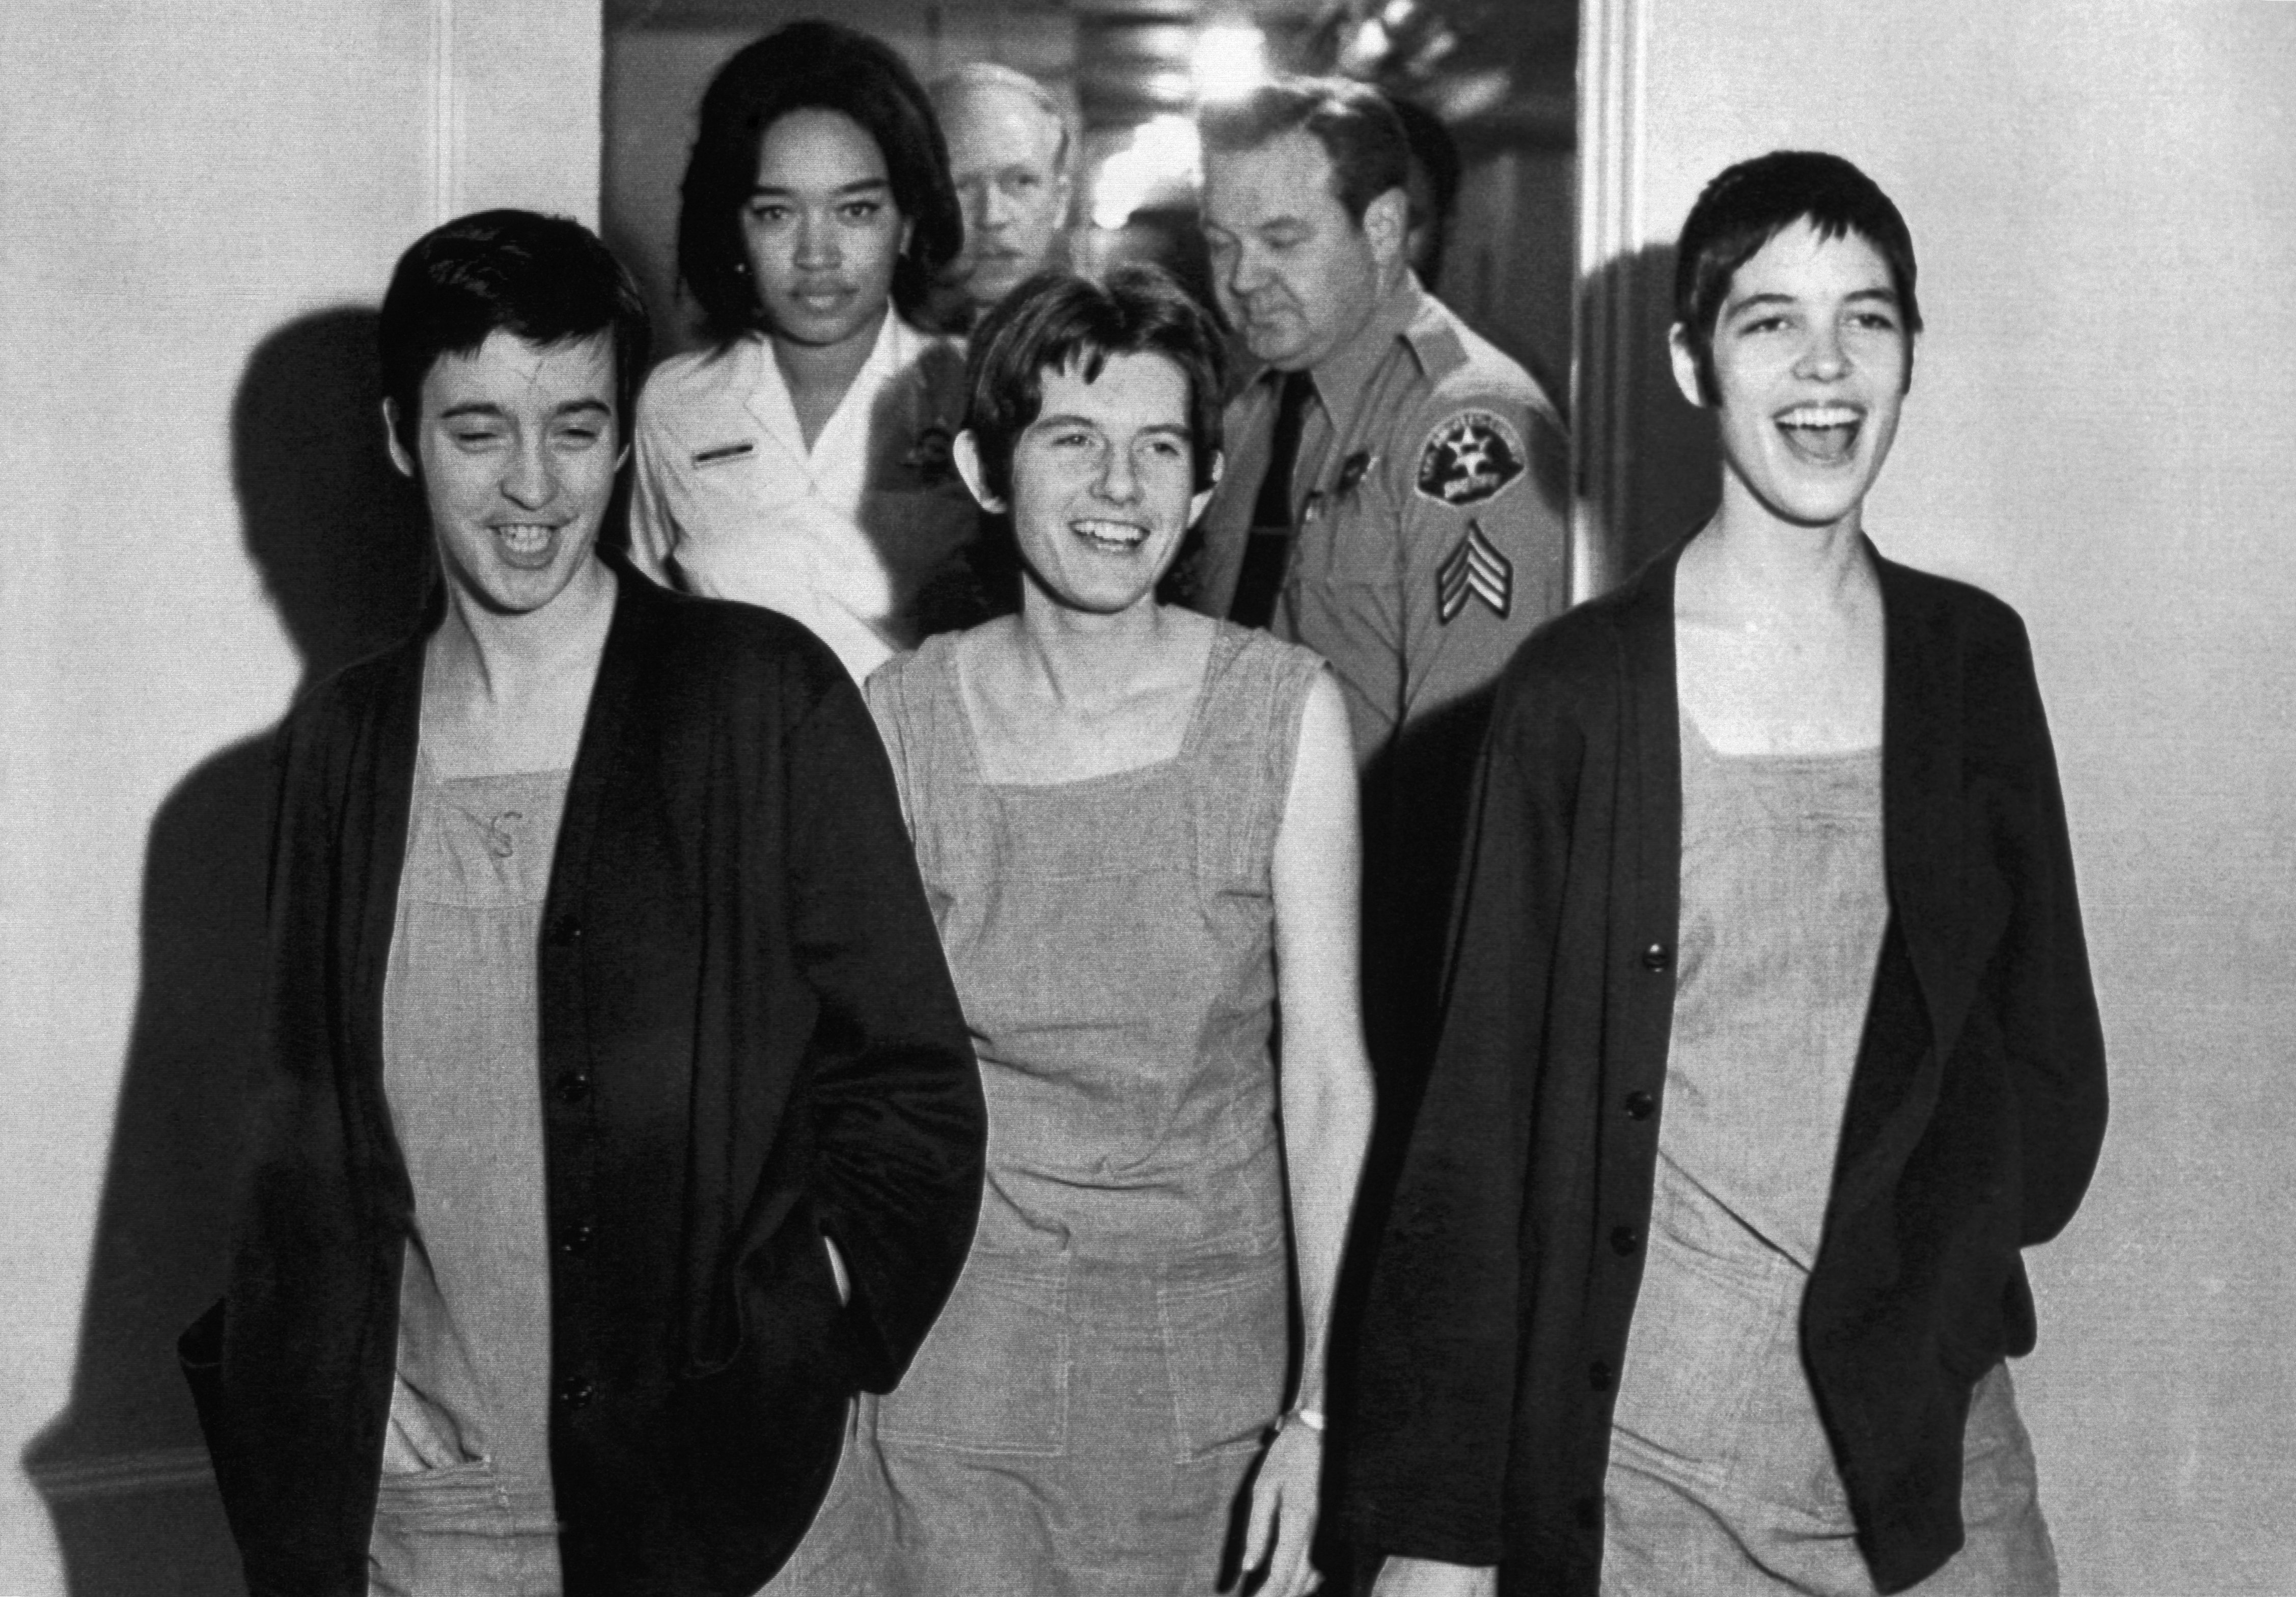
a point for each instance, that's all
(1431, 499)
(845, 537)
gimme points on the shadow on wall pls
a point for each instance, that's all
(675, 318)
(341, 541)
(1650, 460)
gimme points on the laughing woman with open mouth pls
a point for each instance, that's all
(1769, 1038)
(1137, 828)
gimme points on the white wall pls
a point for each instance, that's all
(2102, 430)
(190, 191)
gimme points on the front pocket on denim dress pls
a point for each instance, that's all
(1226, 1330)
(1702, 1328)
(993, 1375)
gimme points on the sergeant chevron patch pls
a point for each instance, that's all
(1474, 569)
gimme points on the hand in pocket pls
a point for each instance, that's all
(837, 1270)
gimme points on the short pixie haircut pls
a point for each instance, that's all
(1057, 321)
(543, 279)
(1356, 125)
(1749, 204)
(809, 66)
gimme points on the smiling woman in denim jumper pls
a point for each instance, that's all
(1136, 827)
(1769, 1040)
(612, 1118)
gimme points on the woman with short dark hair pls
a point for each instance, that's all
(1137, 828)
(615, 1119)
(801, 460)
(1770, 1039)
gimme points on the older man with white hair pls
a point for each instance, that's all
(1008, 153)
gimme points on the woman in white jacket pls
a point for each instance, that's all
(801, 460)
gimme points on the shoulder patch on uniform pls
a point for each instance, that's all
(1474, 569)
(1472, 455)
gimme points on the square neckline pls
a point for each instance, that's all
(427, 773)
(1703, 747)
(1224, 643)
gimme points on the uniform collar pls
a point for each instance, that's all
(1341, 376)
(897, 346)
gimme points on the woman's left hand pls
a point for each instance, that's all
(1284, 1502)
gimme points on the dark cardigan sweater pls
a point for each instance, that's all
(1506, 1280)
(748, 1039)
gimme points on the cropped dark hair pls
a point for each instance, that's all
(1056, 321)
(1356, 125)
(1749, 204)
(809, 66)
(543, 279)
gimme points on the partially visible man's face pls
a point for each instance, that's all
(1004, 156)
(1294, 273)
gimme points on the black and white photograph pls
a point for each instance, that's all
(1148, 797)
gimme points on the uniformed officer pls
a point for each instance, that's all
(1394, 499)
(801, 462)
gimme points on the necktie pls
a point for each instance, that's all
(1268, 548)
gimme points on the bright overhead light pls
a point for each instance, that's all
(1367, 48)
(1162, 157)
(1230, 60)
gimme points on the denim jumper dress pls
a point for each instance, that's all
(1721, 1479)
(1083, 1414)
(465, 1508)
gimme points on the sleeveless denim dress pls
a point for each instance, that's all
(1721, 1479)
(462, 1062)
(466, 1507)
(1083, 1414)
